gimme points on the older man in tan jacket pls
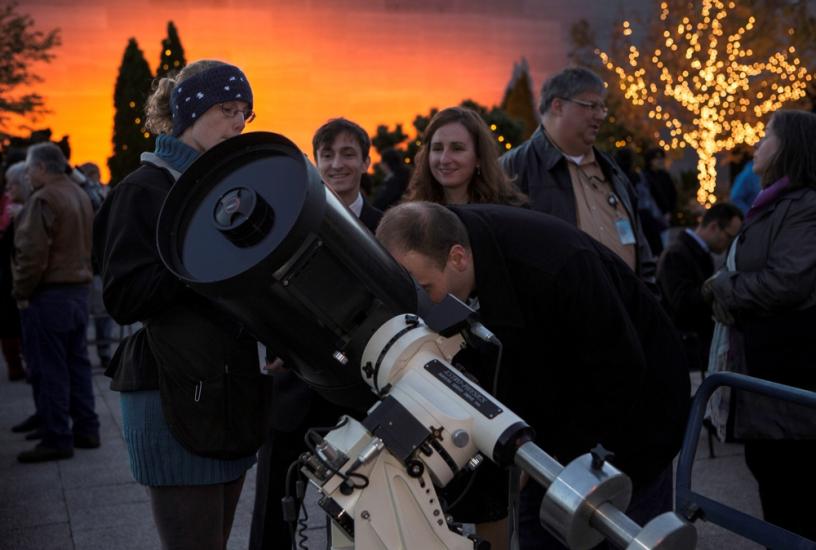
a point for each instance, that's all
(52, 272)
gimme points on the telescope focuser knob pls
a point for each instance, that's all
(460, 438)
(599, 456)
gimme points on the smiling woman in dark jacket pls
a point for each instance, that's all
(769, 300)
(192, 397)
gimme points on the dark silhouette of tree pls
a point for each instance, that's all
(20, 48)
(130, 138)
(171, 58)
(13, 148)
(508, 130)
(386, 139)
(519, 100)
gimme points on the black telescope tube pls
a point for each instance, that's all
(252, 229)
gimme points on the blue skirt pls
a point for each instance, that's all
(156, 456)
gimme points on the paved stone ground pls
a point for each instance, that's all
(91, 502)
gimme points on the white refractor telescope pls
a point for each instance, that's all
(251, 228)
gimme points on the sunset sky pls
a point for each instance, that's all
(373, 61)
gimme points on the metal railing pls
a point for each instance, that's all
(695, 506)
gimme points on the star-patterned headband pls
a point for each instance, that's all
(195, 95)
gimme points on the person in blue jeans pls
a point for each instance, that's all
(51, 272)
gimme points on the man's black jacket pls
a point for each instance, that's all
(681, 272)
(589, 355)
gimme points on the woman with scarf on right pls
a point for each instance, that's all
(765, 305)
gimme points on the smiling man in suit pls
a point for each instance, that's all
(683, 269)
(341, 150)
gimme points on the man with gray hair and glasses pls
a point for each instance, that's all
(52, 272)
(566, 176)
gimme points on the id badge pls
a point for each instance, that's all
(625, 233)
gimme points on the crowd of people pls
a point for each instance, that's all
(567, 253)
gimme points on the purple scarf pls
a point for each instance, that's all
(767, 196)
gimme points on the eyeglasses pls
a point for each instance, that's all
(596, 106)
(231, 112)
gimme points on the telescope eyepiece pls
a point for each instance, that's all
(243, 216)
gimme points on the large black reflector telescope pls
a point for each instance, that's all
(252, 229)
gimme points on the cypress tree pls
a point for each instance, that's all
(519, 102)
(386, 138)
(171, 58)
(130, 138)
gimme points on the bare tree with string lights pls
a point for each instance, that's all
(703, 86)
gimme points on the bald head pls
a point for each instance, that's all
(432, 243)
(424, 227)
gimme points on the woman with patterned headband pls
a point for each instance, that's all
(193, 399)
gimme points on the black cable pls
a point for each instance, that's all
(498, 369)
(303, 522)
(467, 488)
(293, 506)
(317, 431)
(327, 429)
(292, 536)
(358, 476)
(311, 445)
(480, 332)
(291, 509)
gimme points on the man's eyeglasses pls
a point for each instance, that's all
(231, 112)
(596, 106)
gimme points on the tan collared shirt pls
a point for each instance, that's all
(597, 208)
